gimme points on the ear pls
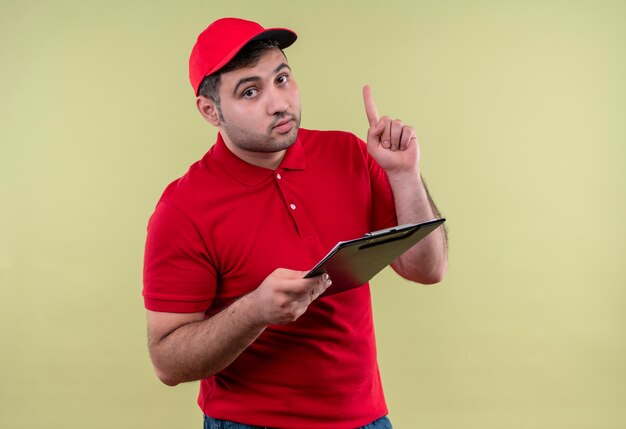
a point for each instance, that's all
(208, 110)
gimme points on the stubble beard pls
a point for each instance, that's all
(268, 142)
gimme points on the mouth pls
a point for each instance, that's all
(284, 126)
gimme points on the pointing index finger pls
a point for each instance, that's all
(370, 106)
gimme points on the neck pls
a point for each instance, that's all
(269, 160)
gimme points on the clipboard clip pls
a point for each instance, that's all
(386, 230)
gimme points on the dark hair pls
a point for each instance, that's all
(248, 56)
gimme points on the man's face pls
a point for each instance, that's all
(260, 105)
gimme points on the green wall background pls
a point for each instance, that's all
(520, 107)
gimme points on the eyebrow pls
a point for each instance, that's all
(258, 78)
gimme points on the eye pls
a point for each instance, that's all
(283, 78)
(249, 93)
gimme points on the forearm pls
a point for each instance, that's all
(184, 347)
(426, 262)
(200, 349)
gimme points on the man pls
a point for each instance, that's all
(230, 242)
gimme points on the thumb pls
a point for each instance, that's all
(375, 132)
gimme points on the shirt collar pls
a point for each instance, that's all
(252, 175)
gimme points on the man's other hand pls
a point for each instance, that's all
(285, 295)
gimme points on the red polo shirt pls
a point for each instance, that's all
(222, 228)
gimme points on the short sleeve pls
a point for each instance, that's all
(178, 275)
(383, 204)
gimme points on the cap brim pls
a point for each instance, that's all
(283, 36)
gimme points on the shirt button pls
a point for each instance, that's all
(293, 206)
(278, 176)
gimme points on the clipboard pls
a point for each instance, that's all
(353, 263)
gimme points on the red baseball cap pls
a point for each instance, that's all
(221, 41)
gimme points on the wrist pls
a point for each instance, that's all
(249, 306)
(405, 176)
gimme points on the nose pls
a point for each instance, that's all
(276, 101)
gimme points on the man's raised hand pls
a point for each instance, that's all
(391, 143)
